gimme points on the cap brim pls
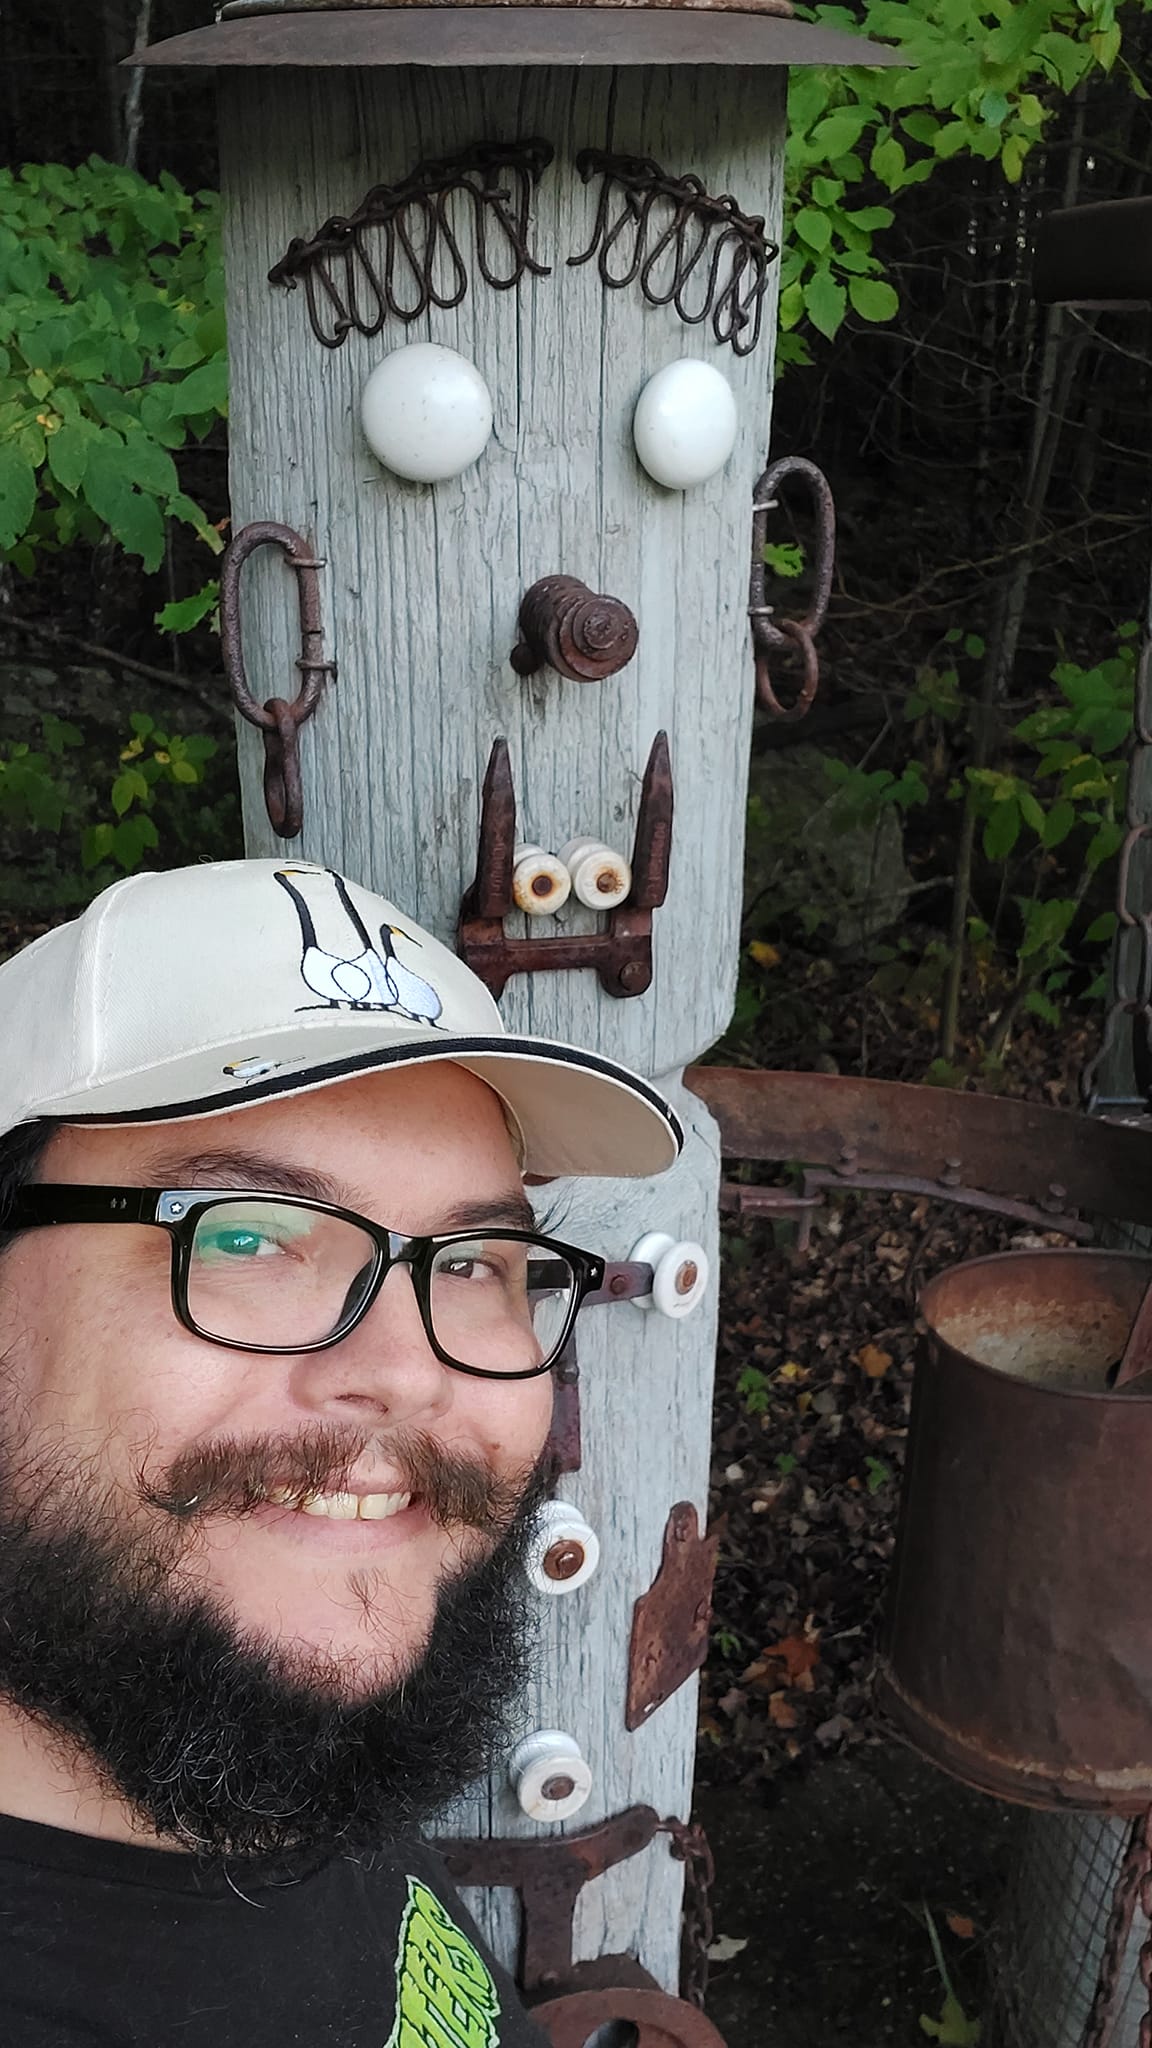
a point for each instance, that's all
(578, 1114)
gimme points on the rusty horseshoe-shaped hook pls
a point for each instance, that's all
(790, 633)
(278, 719)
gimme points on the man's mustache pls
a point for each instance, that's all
(233, 1476)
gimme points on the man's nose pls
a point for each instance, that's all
(385, 1365)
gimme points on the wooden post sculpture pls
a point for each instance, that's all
(501, 300)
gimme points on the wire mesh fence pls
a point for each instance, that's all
(1052, 1932)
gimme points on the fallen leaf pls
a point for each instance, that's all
(724, 1948)
(780, 1713)
(953, 2029)
(763, 954)
(962, 1927)
(796, 1653)
(791, 1371)
(873, 1361)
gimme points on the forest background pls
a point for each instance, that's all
(940, 847)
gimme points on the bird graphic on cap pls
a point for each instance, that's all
(346, 974)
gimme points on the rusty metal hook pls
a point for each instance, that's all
(278, 719)
(790, 633)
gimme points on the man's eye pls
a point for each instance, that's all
(234, 1243)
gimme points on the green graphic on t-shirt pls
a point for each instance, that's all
(445, 1997)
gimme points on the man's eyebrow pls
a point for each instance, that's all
(233, 1168)
(500, 1212)
(244, 1170)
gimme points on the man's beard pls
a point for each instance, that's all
(221, 1741)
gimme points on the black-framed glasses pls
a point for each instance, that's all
(280, 1273)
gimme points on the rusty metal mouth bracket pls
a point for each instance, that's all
(622, 953)
(279, 719)
(670, 1622)
(411, 220)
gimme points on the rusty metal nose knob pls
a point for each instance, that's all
(583, 634)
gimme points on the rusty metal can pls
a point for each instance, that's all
(1018, 1643)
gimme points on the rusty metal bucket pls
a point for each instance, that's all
(1018, 1642)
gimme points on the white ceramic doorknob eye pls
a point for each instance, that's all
(565, 1549)
(680, 1273)
(541, 884)
(426, 412)
(600, 878)
(684, 426)
(549, 1776)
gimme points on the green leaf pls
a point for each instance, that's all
(1030, 810)
(1002, 830)
(68, 455)
(873, 299)
(870, 218)
(1042, 1006)
(186, 612)
(791, 305)
(825, 301)
(1012, 157)
(203, 390)
(17, 494)
(96, 844)
(994, 108)
(127, 789)
(839, 131)
(887, 161)
(814, 228)
(1102, 929)
(953, 137)
(1058, 822)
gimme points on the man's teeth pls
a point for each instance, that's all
(347, 1507)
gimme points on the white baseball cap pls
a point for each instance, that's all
(196, 991)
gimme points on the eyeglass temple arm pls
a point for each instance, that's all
(625, 1281)
(47, 1203)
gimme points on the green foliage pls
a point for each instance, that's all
(754, 1389)
(111, 356)
(982, 82)
(45, 790)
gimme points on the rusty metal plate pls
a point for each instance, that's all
(670, 1622)
(449, 35)
(1054, 1159)
(645, 2019)
(1018, 1641)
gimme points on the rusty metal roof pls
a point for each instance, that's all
(1095, 255)
(258, 33)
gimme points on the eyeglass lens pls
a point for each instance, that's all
(270, 1273)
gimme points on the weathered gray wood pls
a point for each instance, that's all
(421, 594)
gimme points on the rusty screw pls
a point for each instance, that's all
(564, 1560)
(687, 1277)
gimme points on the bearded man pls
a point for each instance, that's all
(277, 1329)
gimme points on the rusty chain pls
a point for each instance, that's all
(689, 1844)
(1132, 951)
(768, 633)
(1133, 1887)
(278, 719)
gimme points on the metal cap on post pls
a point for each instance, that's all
(315, 34)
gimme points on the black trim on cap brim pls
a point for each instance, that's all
(424, 1054)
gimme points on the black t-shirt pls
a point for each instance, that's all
(111, 1946)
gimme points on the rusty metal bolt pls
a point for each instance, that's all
(687, 1277)
(583, 634)
(564, 1560)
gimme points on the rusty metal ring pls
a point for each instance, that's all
(794, 632)
(283, 790)
(764, 633)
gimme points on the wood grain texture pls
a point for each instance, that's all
(420, 595)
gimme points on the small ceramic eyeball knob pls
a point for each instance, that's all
(680, 1273)
(565, 1549)
(426, 412)
(549, 1776)
(684, 426)
(600, 878)
(541, 884)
